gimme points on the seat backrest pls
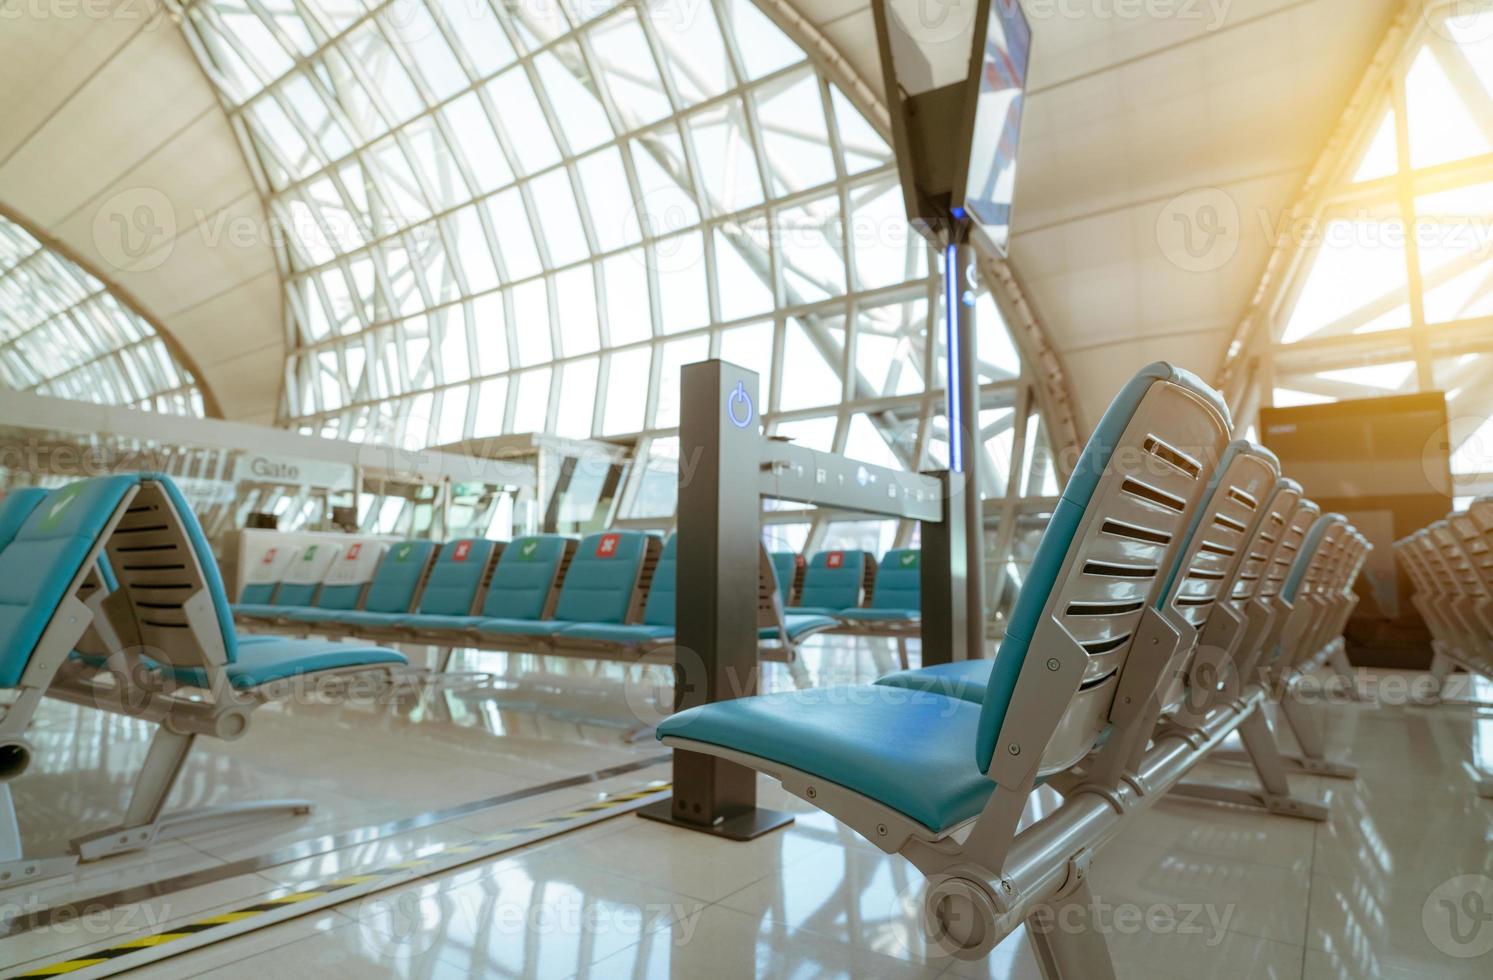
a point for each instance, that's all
(1283, 556)
(350, 575)
(170, 600)
(1313, 557)
(1267, 534)
(524, 579)
(899, 580)
(457, 577)
(49, 555)
(663, 590)
(15, 507)
(785, 565)
(603, 577)
(397, 581)
(1221, 530)
(833, 580)
(1450, 539)
(265, 575)
(306, 573)
(1115, 531)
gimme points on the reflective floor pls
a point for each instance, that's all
(1189, 890)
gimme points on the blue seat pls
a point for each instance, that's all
(911, 753)
(910, 749)
(897, 594)
(15, 507)
(798, 625)
(266, 659)
(269, 600)
(977, 680)
(450, 591)
(598, 587)
(658, 612)
(831, 582)
(785, 567)
(391, 593)
(520, 587)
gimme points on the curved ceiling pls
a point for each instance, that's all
(113, 144)
(1201, 117)
(1138, 131)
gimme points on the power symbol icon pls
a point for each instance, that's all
(739, 406)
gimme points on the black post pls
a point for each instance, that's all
(720, 452)
(945, 596)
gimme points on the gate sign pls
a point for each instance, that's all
(293, 471)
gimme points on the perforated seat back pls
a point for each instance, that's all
(49, 554)
(899, 580)
(1283, 556)
(1452, 541)
(1218, 536)
(1314, 555)
(663, 590)
(306, 573)
(1266, 536)
(525, 577)
(398, 577)
(785, 570)
(15, 507)
(456, 578)
(350, 575)
(170, 599)
(264, 576)
(603, 577)
(1115, 532)
(833, 580)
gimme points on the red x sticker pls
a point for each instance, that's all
(463, 548)
(607, 546)
(835, 559)
(269, 557)
(352, 551)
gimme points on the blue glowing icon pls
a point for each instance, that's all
(739, 406)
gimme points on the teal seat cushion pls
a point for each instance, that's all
(784, 570)
(393, 587)
(295, 593)
(270, 659)
(813, 610)
(864, 615)
(259, 610)
(798, 626)
(833, 580)
(15, 507)
(620, 633)
(45, 556)
(910, 753)
(966, 680)
(662, 592)
(899, 581)
(313, 615)
(524, 577)
(521, 627)
(339, 596)
(420, 621)
(257, 593)
(602, 577)
(456, 577)
(369, 620)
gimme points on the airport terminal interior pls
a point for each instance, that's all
(746, 488)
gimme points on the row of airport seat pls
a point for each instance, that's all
(1450, 565)
(1182, 582)
(110, 598)
(610, 593)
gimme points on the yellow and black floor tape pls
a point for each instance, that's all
(84, 960)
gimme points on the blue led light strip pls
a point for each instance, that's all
(954, 356)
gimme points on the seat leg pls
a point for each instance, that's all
(1274, 795)
(15, 867)
(902, 652)
(1313, 758)
(144, 821)
(1065, 951)
(1337, 659)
